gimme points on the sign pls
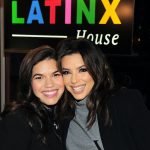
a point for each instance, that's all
(108, 23)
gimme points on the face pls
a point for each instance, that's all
(76, 77)
(47, 82)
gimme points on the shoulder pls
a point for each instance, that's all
(128, 101)
(125, 95)
(131, 116)
(15, 131)
(14, 124)
(12, 117)
(127, 92)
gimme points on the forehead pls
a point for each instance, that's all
(47, 65)
(72, 60)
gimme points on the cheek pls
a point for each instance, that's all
(35, 86)
(65, 80)
(60, 82)
(89, 80)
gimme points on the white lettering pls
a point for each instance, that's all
(114, 38)
(101, 39)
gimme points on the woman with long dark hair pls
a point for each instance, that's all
(96, 115)
(30, 123)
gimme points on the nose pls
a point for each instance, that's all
(74, 78)
(48, 82)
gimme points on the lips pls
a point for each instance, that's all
(78, 89)
(50, 94)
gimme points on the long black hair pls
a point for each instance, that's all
(99, 70)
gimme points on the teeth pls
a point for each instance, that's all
(49, 93)
(78, 88)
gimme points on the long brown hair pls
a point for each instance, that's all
(28, 103)
(100, 71)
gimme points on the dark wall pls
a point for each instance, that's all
(134, 70)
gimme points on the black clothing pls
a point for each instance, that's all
(17, 134)
(130, 129)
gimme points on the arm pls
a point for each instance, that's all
(140, 121)
(15, 133)
(134, 117)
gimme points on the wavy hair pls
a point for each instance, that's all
(36, 114)
(100, 71)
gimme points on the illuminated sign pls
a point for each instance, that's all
(108, 23)
(35, 13)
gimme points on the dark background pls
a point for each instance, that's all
(130, 70)
(133, 70)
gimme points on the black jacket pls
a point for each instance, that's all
(130, 129)
(16, 134)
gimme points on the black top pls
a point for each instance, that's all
(16, 134)
(130, 129)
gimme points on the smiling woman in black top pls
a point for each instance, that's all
(30, 123)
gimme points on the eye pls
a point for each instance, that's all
(37, 77)
(65, 72)
(57, 74)
(83, 70)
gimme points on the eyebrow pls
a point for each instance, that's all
(77, 67)
(38, 74)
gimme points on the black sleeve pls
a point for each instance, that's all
(139, 120)
(15, 133)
